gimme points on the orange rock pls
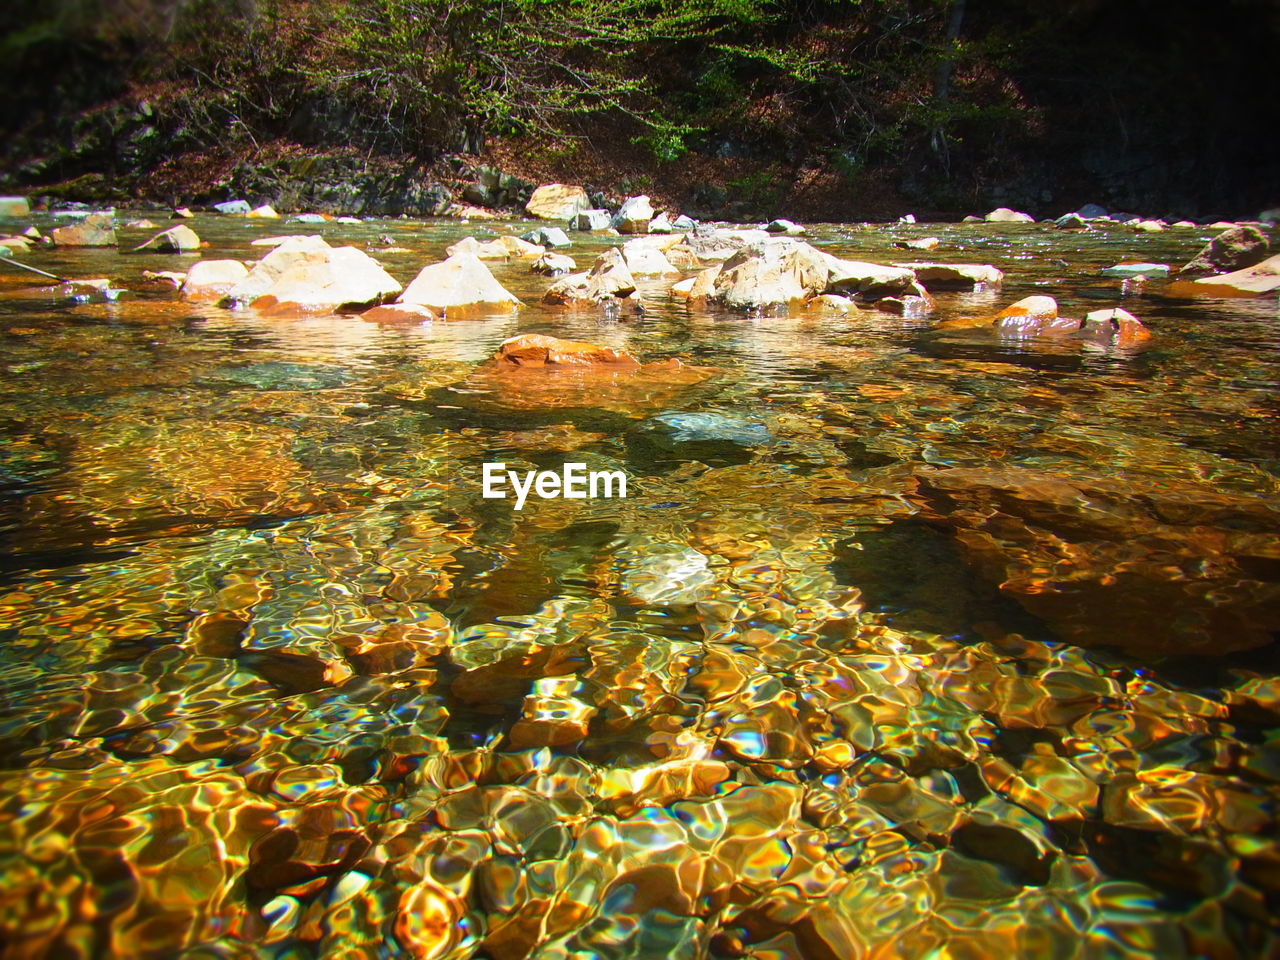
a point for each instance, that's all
(536, 350)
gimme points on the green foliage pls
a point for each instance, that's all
(666, 141)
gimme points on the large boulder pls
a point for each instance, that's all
(289, 253)
(1153, 568)
(458, 285)
(634, 215)
(1231, 250)
(608, 279)
(499, 248)
(212, 279)
(956, 276)
(179, 239)
(346, 278)
(774, 273)
(14, 207)
(96, 230)
(557, 201)
(1005, 215)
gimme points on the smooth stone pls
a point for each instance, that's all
(1136, 270)
(709, 427)
(95, 231)
(956, 276)
(1005, 215)
(212, 279)
(179, 239)
(1071, 221)
(1233, 249)
(1093, 211)
(264, 212)
(232, 207)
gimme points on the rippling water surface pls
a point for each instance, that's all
(923, 644)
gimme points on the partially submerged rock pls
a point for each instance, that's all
(95, 230)
(1126, 270)
(550, 237)
(458, 285)
(868, 280)
(773, 273)
(1033, 316)
(212, 279)
(179, 239)
(305, 274)
(264, 212)
(956, 276)
(1038, 317)
(536, 350)
(398, 313)
(1115, 327)
(1005, 215)
(1255, 281)
(1231, 250)
(1071, 221)
(232, 207)
(557, 201)
(786, 227)
(554, 264)
(608, 279)
(499, 248)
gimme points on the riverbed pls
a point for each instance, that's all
(908, 639)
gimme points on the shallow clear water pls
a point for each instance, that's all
(925, 644)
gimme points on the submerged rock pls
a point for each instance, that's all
(1231, 250)
(95, 231)
(1156, 569)
(460, 284)
(557, 201)
(666, 574)
(179, 239)
(701, 427)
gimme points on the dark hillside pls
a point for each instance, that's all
(736, 107)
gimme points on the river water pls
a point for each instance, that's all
(907, 641)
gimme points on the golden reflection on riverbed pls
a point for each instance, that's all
(279, 683)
